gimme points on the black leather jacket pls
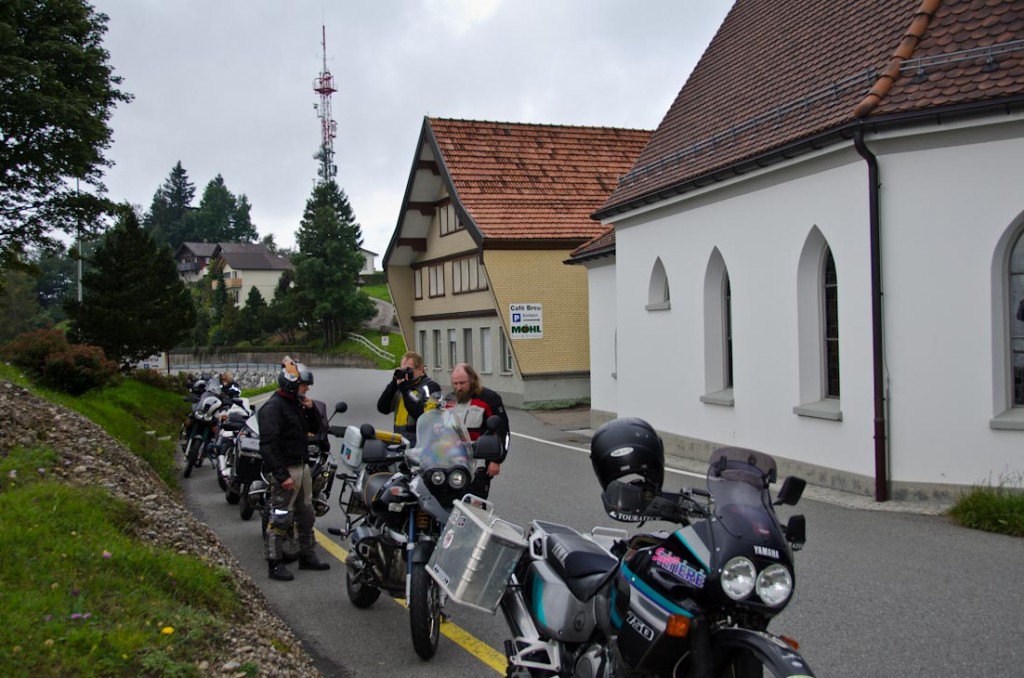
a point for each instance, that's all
(285, 428)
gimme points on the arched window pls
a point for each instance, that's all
(1016, 321)
(718, 371)
(658, 297)
(818, 330)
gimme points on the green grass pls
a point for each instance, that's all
(998, 508)
(83, 596)
(396, 347)
(377, 292)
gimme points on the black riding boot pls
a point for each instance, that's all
(311, 562)
(278, 571)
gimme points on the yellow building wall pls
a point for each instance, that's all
(539, 276)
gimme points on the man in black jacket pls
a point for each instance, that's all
(407, 393)
(288, 423)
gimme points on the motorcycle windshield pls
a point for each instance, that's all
(442, 442)
(740, 510)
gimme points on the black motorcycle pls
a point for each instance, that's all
(203, 423)
(695, 601)
(407, 511)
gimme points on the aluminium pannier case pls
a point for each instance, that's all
(475, 555)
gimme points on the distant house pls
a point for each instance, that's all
(820, 253)
(491, 210)
(369, 259)
(192, 259)
(249, 265)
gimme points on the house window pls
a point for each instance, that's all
(506, 354)
(436, 275)
(422, 344)
(453, 349)
(658, 297)
(417, 277)
(1016, 321)
(717, 333)
(448, 219)
(438, 351)
(818, 330)
(467, 344)
(468, 275)
(830, 295)
(486, 362)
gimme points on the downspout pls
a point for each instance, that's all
(877, 357)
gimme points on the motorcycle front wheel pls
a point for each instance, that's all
(222, 480)
(192, 452)
(361, 594)
(424, 612)
(245, 506)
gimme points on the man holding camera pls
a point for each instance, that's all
(407, 393)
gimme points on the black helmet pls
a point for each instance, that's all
(292, 374)
(628, 449)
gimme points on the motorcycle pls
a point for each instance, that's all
(224, 448)
(203, 424)
(406, 511)
(695, 601)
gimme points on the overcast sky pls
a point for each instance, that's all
(226, 86)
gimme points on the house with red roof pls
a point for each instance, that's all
(475, 265)
(819, 254)
(243, 265)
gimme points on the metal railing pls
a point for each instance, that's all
(377, 350)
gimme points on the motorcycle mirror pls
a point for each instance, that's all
(340, 407)
(791, 491)
(367, 432)
(488, 447)
(796, 532)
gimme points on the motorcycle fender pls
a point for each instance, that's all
(421, 552)
(771, 650)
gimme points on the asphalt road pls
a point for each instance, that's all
(878, 593)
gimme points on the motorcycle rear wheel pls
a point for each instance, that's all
(424, 612)
(361, 594)
(192, 452)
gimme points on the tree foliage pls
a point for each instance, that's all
(133, 304)
(57, 93)
(328, 263)
(222, 217)
(170, 214)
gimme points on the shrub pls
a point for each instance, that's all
(158, 379)
(30, 350)
(78, 369)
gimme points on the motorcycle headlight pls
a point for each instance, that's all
(437, 477)
(774, 585)
(458, 479)
(738, 577)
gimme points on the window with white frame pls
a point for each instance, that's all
(468, 275)
(830, 317)
(448, 219)
(453, 349)
(717, 333)
(417, 277)
(436, 277)
(1016, 321)
(818, 330)
(421, 345)
(467, 344)
(438, 350)
(486, 350)
(506, 354)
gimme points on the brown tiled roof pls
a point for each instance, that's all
(252, 257)
(779, 72)
(534, 182)
(595, 248)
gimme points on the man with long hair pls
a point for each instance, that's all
(474, 404)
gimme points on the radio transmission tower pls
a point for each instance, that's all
(324, 86)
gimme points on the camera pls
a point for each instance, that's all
(403, 373)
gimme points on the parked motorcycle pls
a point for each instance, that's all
(203, 424)
(695, 601)
(407, 510)
(224, 449)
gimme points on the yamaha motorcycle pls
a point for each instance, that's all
(407, 511)
(692, 602)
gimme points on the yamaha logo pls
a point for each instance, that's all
(621, 452)
(766, 552)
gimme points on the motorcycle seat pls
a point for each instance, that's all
(581, 563)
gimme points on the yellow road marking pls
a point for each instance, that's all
(467, 641)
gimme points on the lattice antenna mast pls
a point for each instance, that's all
(324, 86)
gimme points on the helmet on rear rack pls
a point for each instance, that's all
(629, 461)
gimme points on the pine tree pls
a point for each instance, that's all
(249, 326)
(169, 219)
(133, 304)
(328, 263)
(222, 217)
